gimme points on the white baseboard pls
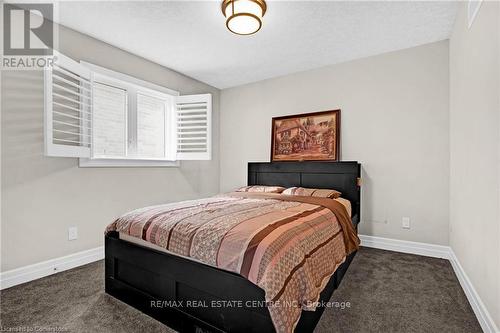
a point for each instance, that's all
(32, 272)
(422, 249)
(438, 251)
(482, 314)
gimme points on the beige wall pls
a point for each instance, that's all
(43, 196)
(474, 147)
(394, 121)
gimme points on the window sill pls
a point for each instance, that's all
(126, 163)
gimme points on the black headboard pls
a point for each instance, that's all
(341, 176)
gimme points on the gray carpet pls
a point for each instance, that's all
(382, 291)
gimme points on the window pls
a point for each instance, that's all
(152, 126)
(132, 120)
(110, 119)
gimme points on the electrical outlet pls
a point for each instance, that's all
(72, 233)
(405, 222)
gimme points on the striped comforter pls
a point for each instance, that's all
(288, 245)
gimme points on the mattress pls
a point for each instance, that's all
(126, 237)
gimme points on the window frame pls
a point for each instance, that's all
(136, 86)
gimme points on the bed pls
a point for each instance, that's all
(156, 282)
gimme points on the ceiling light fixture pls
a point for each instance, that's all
(244, 17)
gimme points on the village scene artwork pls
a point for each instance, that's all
(312, 137)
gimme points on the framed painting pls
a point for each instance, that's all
(306, 137)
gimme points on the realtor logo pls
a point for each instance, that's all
(28, 29)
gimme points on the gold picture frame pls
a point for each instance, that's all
(306, 137)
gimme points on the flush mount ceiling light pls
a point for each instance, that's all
(244, 17)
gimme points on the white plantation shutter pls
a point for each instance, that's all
(194, 127)
(109, 121)
(152, 126)
(67, 109)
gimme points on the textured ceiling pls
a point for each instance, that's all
(191, 38)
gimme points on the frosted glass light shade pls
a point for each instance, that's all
(244, 17)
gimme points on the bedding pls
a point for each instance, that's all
(312, 192)
(261, 188)
(289, 246)
(346, 203)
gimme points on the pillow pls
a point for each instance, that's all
(312, 192)
(261, 189)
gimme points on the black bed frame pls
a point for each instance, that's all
(189, 296)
